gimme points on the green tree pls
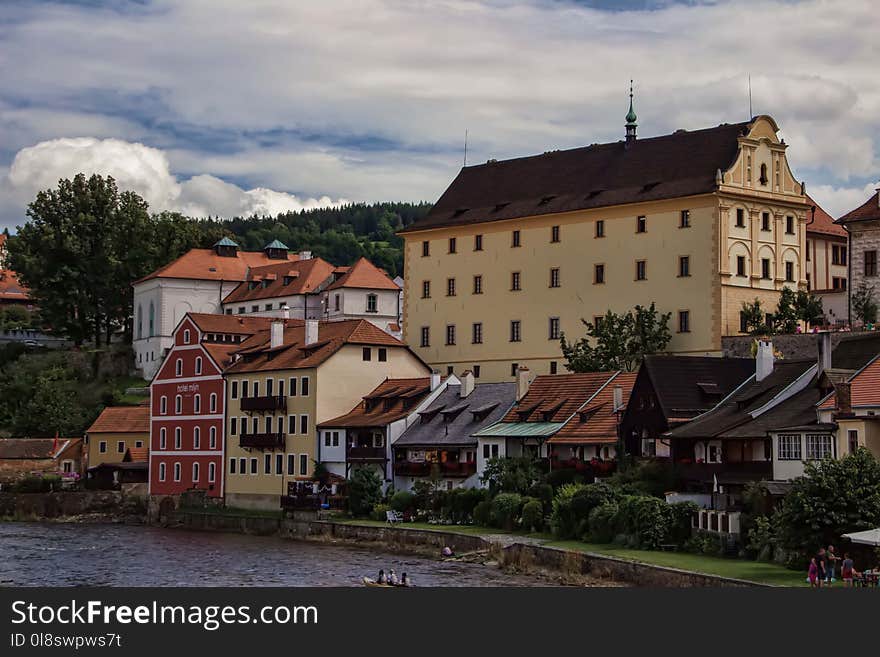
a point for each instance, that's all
(511, 474)
(618, 342)
(864, 307)
(809, 308)
(754, 319)
(364, 491)
(833, 497)
(786, 317)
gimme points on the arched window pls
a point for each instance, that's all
(177, 472)
(212, 472)
(213, 402)
(152, 325)
(198, 365)
(178, 404)
(177, 438)
(186, 336)
(161, 472)
(197, 438)
(178, 367)
(197, 404)
(763, 179)
(140, 321)
(162, 438)
(195, 472)
(213, 438)
(163, 405)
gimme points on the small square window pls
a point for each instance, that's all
(789, 225)
(600, 228)
(684, 321)
(554, 277)
(477, 333)
(515, 281)
(513, 368)
(450, 287)
(450, 334)
(641, 224)
(367, 354)
(554, 332)
(641, 270)
(478, 242)
(476, 370)
(452, 245)
(515, 239)
(684, 266)
(554, 234)
(426, 249)
(515, 331)
(740, 218)
(599, 274)
(383, 355)
(765, 221)
(765, 268)
(553, 367)
(740, 265)
(426, 289)
(685, 220)
(478, 284)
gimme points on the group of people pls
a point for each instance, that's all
(822, 568)
(391, 579)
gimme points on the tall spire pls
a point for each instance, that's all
(631, 118)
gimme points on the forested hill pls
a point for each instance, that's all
(340, 235)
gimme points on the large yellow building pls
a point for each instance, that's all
(519, 251)
(288, 380)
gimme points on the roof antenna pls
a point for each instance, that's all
(465, 146)
(750, 97)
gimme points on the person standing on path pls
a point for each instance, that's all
(830, 559)
(821, 563)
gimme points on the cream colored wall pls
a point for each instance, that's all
(335, 387)
(577, 297)
(296, 443)
(822, 271)
(112, 455)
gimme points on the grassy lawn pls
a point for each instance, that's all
(765, 573)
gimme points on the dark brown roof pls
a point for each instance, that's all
(687, 386)
(867, 211)
(35, 448)
(392, 400)
(671, 166)
(732, 417)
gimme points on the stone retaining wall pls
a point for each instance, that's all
(57, 505)
(796, 346)
(599, 566)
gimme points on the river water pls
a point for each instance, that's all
(49, 554)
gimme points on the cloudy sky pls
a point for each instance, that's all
(229, 107)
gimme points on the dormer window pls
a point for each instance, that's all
(265, 283)
(276, 250)
(226, 248)
(288, 280)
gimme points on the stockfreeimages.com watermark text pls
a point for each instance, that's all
(209, 617)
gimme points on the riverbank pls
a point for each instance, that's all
(515, 553)
(74, 507)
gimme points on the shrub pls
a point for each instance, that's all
(562, 520)
(31, 484)
(761, 541)
(645, 519)
(422, 493)
(504, 510)
(559, 478)
(532, 516)
(603, 523)
(543, 492)
(379, 512)
(462, 501)
(681, 522)
(645, 478)
(364, 491)
(402, 501)
(481, 513)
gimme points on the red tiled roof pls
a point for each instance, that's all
(867, 211)
(364, 274)
(304, 276)
(35, 448)
(137, 455)
(554, 397)
(233, 324)
(597, 422)
(10, 287)
(295, 354)
(392, 400)
(205, 264)
(122, 419)
(821, 222)
(864, 388)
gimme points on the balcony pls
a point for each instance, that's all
(358, 453)
(458, 468)
(265, 403)
(412, 468)
(593, 466)
(744, 470)
(269, 440)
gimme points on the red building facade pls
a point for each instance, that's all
(187, 407)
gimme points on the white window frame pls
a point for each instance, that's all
(819, 446)
(197, 404)
(212, 438)
(212, 402)
(197, 437)
(178, 438)
(102, 447)
(178, 404)
(163, 438)
(198, 365)
(790, 447)
(162, 471)
(212, 472)
(186, 336)
(195, 471)
(178, 367)
(177, 472)
(163, 405)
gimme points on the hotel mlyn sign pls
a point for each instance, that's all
(515, 253)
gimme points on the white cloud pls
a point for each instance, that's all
(146, 171)
(837, 201)
(521, 77)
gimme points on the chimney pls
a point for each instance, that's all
(305, 255)
(311, 331)
(823, 348)
(618, 398)
(522, 381)
(435, 380)
(467, 384)
(844, 398)
(764, 360)
(276, 335)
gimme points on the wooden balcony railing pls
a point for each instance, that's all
(458, 468)
(356, 453)
(265, 403)
(264, 440)
(412, 468)
(423, 468)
